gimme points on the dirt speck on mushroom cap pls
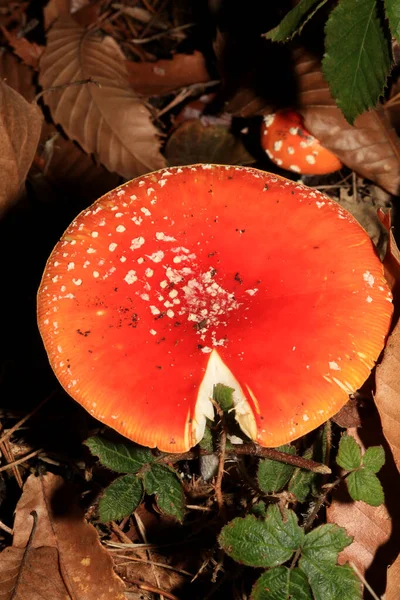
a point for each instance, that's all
(192, 276)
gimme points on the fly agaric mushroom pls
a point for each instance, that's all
(290, 146)
(189, 277)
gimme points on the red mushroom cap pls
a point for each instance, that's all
(194, 276)
(290, 146)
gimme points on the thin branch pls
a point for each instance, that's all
(57, 88)
(20, 460)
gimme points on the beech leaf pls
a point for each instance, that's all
(357, 56)
(108, 121)
(392, 8)
(20, 125)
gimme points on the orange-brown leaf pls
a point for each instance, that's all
(20, 125)
(165, 76)
(17, 75)
(393, 581)
(108, 121)
(60, 556)
(387, 397)
(27, 51)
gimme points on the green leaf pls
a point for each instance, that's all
(294, 21)
(357, 56)
(364, 485)
(374, 459)
(224, 396)
(122, 458)
(121, 498)
(392, 8)
(267, 543)
(282, 583)
(319, 555)
(349, 455)
(259, 510)
(273, 475)
(165, 484)
(302, 480)
(206, 443)
(331, 582)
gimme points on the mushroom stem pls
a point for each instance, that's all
(254, 450)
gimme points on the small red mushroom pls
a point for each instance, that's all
(290, 146)
(193, 276)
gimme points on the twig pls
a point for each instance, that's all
(6, 528)
(190, 90)
(9, 432)
(221, 456)
(151, 588)
(142, 531)
(162, 34)
(118, 531)
(157, 564)
(57, 88)
(20, 460)
(5, 449)
(364, 581)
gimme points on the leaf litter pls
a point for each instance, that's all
(139, 66)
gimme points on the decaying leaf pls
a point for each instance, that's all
(20, 125)
(371, 147)
(55, 555)
(387, 397)
(108, 121)
(391, 261)
(165, 76)
(192, 142)
(393, 581)
(17, 75)
(28, 52)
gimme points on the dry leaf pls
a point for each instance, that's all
(192, 142)
(20, 125)
(28, 52)
(391, 261)
(165, 76)
(58, 555)
(393, 581)
(375, 529)
(108, 121)
(387, 396)
(371, 147)
(84, 12)
(17, 75)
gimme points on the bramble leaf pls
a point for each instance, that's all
(349, 455)
(282, 583)
(267, 543)
(302, 480)
(357, 56)
(121, 498)
(392, 8)
(374, 458)
(122, 458)
(223, 395)
(163, 482)
(294, 21)
(272, 475)
(364, 485)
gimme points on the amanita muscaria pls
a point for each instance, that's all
(193, 276)
(289, 145)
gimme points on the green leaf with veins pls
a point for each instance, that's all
(122, 458)
(282, 583)
(294, 21)
(224, 396)
(374, 459)
(364, 485)
(266, 543)
(163, 482)
(349, 455)
(272, 475)
(357, 56)
(302, 479)
(392, 8)
(121, 498)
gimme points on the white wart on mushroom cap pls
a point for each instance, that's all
(194, 276)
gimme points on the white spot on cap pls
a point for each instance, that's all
(290, 150)
(170, 313)
(369, 299)
(130, 277)
(94, 234)
(153, 332)
(164, 238)
(70, 266)
(306, 418)
(310, 159)
(54, 279)
(294, 130)
(112, 247)
(277, 145)
(137, 243)
(369, 278)
(77, 281)
(334, 366)
(123, 259)
(133, 197)
(320, 204)
(119, 215)
(294, 168)
(154, 310)
(96, 274)
(120, 229)
(149, 272)
(145, 211)
(91, 251)
(156, 256)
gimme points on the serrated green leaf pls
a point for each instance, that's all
(259, 510)
(122, 458)
(282, 583)
(374, 459)
(349, 455)
(357, 56)
(267, 543)
(121, 498)
(163, 482)
(324, 542)
(224, 396)
(364, 485)
(206, 442)
(392, 8)
(331, 582)
(302, 480)
(294, 21)
(272, 475)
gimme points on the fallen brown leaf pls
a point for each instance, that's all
(393, 581)
(20, 125)
(83, 12)
(371, 147)
(192, 142)
(17, 75)
(108, 121)
(55, 555)
(28, 52)
(391, 261)
(165, 76)
(387, 396)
